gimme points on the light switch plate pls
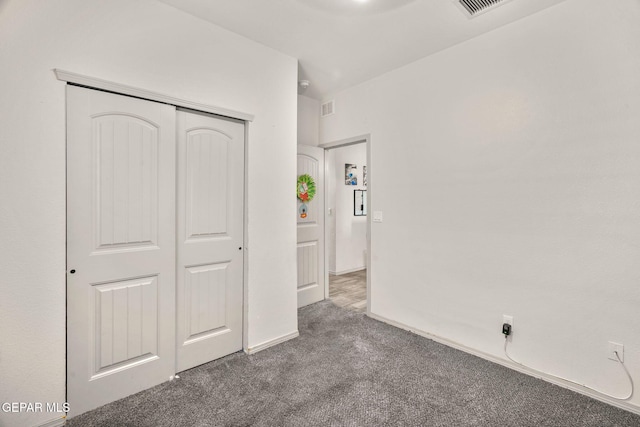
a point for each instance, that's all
(377, 216)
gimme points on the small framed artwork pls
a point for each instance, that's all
(350, 174)
(359, 202)
(364, 176)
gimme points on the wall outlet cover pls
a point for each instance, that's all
(507, 319)
(612, 347)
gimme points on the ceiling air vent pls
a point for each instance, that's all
(476, 7)
(327, 108)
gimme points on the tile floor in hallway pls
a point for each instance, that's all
(349, 290)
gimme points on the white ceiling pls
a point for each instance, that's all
(340, 43)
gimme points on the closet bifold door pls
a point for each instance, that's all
(210, 237)
(121, 248)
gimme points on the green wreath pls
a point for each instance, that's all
(306, 188)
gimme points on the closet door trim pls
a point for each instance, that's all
(109, 86)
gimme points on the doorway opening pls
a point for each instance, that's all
(348, 223)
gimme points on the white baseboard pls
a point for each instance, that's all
(57, 422)
(523, 369)
(271, 343)
(338, 273)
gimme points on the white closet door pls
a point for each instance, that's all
(210, 237)
(120, 246)
(311, 229)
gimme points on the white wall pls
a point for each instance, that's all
(347, 233)
(308, 120)
(519, 158)
(150, 45)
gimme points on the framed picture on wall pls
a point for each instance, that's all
(350, 174)
(359, 202)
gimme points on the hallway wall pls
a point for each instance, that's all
(308, 120)
(348, 233)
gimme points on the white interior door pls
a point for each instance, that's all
(311, 229)
(120, 246)
(210, 237)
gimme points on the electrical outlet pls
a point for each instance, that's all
(507, 325)
(612, 348)
(507, 319)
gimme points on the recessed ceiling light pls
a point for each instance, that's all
(353, 7)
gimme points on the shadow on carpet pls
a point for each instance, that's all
(346, 369)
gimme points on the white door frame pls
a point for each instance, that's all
(121, 89)
(338, 144)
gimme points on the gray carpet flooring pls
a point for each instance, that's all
(346, 369)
